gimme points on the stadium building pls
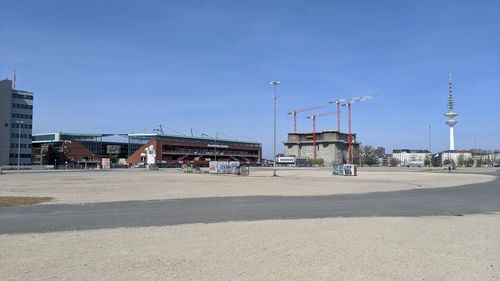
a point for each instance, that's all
(175, 150)
(81, 149)
(171, 150)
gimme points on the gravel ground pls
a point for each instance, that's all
(426, 248)
(138, 184)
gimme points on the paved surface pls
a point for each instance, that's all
(469, 199)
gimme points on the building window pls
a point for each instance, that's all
(19, 96)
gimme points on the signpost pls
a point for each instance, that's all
(106, 164)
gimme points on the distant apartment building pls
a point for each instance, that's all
(455, 156)
(380, 155)
(16, 119)
(411, 157)
(379, 152)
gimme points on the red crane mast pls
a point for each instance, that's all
(313, 118)
(338, 102)
(348, 102)
(294, 114)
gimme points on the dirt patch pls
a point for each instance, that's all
(421, 248)
(8, 201)
(75, 187)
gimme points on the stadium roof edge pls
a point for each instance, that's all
(75, 134)
(186, 137)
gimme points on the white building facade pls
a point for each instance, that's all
(454, 156)
(411, 157)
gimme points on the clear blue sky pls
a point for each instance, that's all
(118, 66)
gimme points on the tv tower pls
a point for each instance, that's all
(450, 115)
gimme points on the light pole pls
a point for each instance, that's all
(275, 84)
(430, 147)
(215, 144)
(19, 123)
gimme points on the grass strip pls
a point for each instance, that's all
(8, 201)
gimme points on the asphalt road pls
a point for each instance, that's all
(480, 198)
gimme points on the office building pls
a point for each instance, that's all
(16, 123)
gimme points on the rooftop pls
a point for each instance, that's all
(204, 138)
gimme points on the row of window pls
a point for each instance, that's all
(23, 155)
(19, 96)
(23, 116)
(23, 136)
(49, 137)
(23, 145)
(23, 126)
(145, 139)
(23, 106)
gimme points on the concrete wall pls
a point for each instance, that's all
(330, 153)
(5, 120)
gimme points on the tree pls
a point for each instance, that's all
(50, 156)
(368, 155)
(449, 162)
(393, 162)
(469, 162)
(427, 161)
(317, 161)
(480, 162)
(356, 157)
(113, 158)
(461, 161)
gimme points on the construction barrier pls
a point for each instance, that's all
(224, 167)
(345, 170)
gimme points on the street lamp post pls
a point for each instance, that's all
(430, 147)
(19, 143)
(215, 145)
(275, 84)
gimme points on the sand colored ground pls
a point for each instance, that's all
(139, 184)
(425, 248)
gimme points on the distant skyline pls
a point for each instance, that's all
(119, 66)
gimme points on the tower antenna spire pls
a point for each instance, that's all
(451, 114)
(14, 80)
(450, 94)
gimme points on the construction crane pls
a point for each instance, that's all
(348, 102)
(294, 114)
(338, 102)
(313, 118)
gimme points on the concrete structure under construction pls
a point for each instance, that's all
(331, 146)
(16, 119)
